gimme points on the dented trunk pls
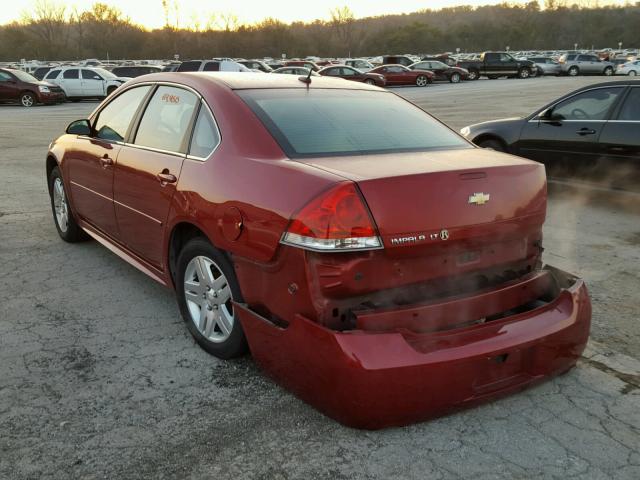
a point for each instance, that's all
(449, 226)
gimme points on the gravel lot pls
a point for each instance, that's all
(100, 379)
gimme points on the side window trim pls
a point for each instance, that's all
(205, 105)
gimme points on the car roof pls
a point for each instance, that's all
(251, 80)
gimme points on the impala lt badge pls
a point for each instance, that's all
(479, 198)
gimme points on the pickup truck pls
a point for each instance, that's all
(498, 64)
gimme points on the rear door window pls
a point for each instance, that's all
(205, 135)
(192, 66)
(211, 67)
(631, 108)
(114, 120)
(166, 120)
(71, 73)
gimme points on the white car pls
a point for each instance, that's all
(629, 68)
(216, 65)
(84, 82)
(359, 64)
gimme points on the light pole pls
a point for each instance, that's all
(619, 45)
(575, 46)
(508, 47)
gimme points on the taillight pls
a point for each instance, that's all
(335, 220)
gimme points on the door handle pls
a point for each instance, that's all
(106, 161)
(586, 131)
(165, 177)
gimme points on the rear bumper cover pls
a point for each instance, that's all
(372, 379)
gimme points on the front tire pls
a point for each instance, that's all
(369, 81)
(206, 287)
(608, 71)
(474, 74)
(28, 99)
(632, 73)
(66, 224)
(524, 73)
(455, 77)
(573, 71)
(422, 81)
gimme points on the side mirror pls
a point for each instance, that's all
(79, 127)
(549, 116)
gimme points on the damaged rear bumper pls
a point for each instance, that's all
(374, 378)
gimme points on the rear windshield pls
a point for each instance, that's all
(320, 122)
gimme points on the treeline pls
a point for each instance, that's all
(50, 32)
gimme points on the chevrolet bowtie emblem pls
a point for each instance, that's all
(479, 198)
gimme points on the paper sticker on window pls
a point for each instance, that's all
(170, 98)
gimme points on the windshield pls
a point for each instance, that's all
(320, 122)
(104, 73)
(24, 76)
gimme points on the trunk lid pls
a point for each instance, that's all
(449, 199)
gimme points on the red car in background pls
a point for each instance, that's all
(401, 75)
(375, 262)
(21, 87)
(350, 73)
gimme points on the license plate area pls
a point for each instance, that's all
(501, 371)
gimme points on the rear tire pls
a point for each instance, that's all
(28, 99)
(492, 77)
(632, 73)
(474, 74)
(608, 71)
(492, 144)
(573, 71)
(66, 224)
(206, 286)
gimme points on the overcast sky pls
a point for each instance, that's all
(150, 13)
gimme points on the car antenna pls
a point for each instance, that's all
(306, 79)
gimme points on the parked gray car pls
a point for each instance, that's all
(546, 65)
(585, 64)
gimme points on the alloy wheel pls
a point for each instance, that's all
(632, 73)
(209, 300)
(27, 100)
(422, 81)
(455, 78)
(60, 205)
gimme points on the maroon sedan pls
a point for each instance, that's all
(401, 75)
(442, 71)
(374, 262)
(19, 86)
(350, 73)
